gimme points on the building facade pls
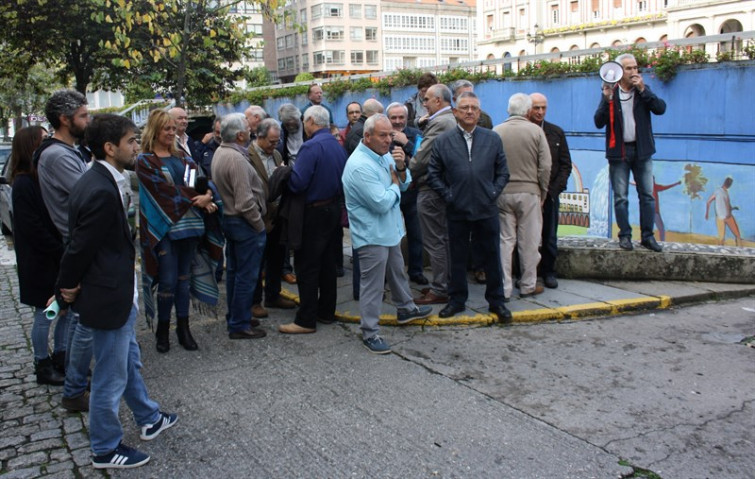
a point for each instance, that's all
(328, 38)
(249, 15)
(525, 27)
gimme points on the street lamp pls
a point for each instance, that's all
(536, 37)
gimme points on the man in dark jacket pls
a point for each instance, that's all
(625, 110)
(468, 170)
(560, 171)
(97, 277)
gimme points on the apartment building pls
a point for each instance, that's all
(329, 38)
(249, 15)
(520, 27)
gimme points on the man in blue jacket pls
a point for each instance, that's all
(468, 170)
(625, 110)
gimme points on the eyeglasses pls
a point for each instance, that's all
(468, 108)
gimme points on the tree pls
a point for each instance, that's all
(197, 47)
(694, 184)
(59, 35)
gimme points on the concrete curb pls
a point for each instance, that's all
(562, 313)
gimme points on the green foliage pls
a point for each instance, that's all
(725, 56)
(304, 76)
(259, 76)
(749, 50)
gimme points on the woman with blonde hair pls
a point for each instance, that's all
(179, 234)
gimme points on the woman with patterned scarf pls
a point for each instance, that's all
(180, 236)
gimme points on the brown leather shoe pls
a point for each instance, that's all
(258, 311)
(79, 403)
(289, 278)
(480, 277)
(538, 290)
(251, 333)
(281, 303)
(431, 298)
(293, 328)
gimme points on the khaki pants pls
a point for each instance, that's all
(521, 226)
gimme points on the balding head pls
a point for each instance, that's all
(181, 118)
(254, 115)
(539, 106)
(438, 97)
(371, 107)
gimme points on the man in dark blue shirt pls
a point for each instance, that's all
(317, 177)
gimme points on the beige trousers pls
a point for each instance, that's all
(521, 226)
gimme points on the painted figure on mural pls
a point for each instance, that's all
(658, 219)
(724, 216)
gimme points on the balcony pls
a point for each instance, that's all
(505, 34)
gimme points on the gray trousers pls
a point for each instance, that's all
(378, 264)
(432, 220)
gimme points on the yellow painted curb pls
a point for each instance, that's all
(577, 311)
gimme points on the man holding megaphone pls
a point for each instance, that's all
(624, 110)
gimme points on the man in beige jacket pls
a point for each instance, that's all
(519, 206)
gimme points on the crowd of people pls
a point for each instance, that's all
(476, 199)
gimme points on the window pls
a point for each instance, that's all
(370, 12)
(318, 34)
(305, 62)
(357, 57)
(319, 58)
(334, 33)
(489, 22)
(412, 22)
(355, 11)
(574, 6)
(280, 43)
(281, 64)
(595, 8)
(642, 6)
(336, 57)
(554, 14)
(333, 9)
(289, 63)
(304, 38)
(303, 16)
(405, 44)
(254, 28)
(290, 41)
(255, 55)
(372, 57)
(356, 33)
(370, 33)
(452, 45)
(456, 24)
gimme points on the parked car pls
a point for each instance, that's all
(6, 208)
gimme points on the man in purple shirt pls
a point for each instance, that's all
(317, 176)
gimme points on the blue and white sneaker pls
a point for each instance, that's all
(151, 431)
(123, 457)
(376, 345)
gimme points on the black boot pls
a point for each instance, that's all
(184, 335)
(163, 336)
(46, 373)
(59, 362)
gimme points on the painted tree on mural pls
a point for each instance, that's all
(694, 184)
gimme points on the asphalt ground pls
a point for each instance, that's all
(667, 387)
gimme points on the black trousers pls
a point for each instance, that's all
(549, 249)
(272, 264)
(316, 265)
(487, 240)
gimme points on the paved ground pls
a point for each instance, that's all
(670, 390)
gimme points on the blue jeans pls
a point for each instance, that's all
(40, 332)
(642, 171)
(116, 375)
(413, 232)
(244, 250)
(78, 357)
(174, 258)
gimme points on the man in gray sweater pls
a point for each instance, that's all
(244, 208)
(529, 161)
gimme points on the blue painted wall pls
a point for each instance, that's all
(709, 123)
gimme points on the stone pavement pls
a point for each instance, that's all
(321, 406)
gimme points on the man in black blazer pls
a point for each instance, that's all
(560, 171)
(97, 278)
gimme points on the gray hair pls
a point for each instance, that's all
(371, 106)
(625, 56)
(63, 102)
(256, 110)
(467, 94)
(265, 126)
(288, 112)
(519, 104)
(459, 84)
(231, 125)
(319, 115)
(397, 104)
(369, 124)
(441, 91)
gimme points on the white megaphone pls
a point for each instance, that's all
(611, 72)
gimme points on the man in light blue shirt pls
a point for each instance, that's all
(373, 181)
